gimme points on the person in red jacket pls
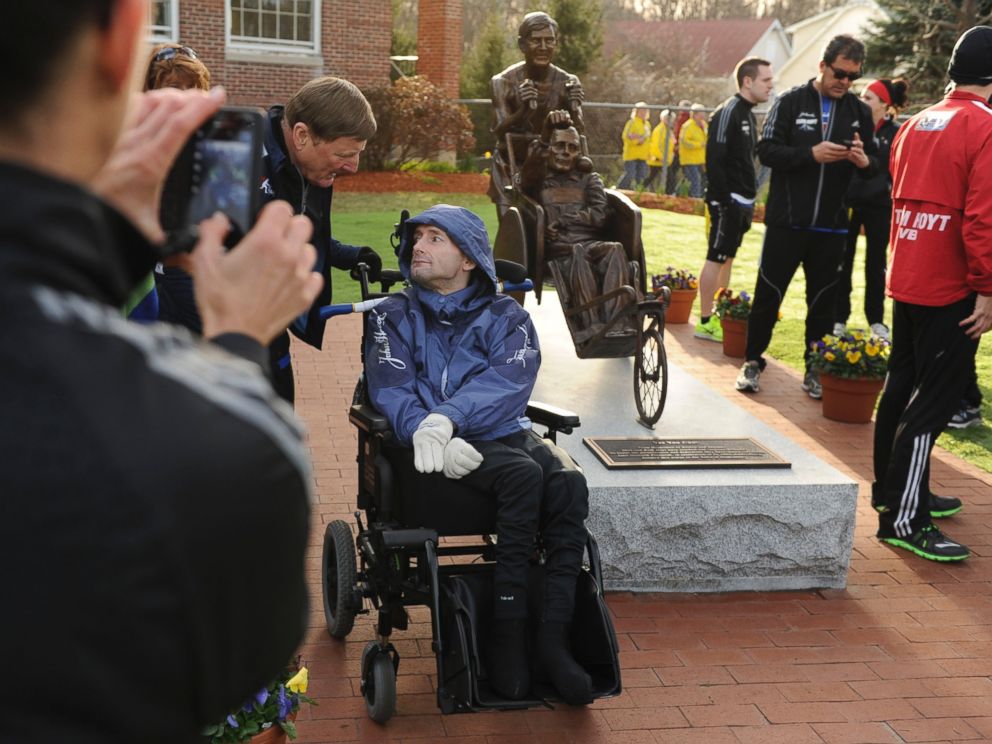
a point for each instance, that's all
(940, 279)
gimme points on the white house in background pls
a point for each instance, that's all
(811, 35)
(719, 44)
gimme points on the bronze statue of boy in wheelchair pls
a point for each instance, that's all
(557, 176)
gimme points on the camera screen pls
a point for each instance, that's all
(222, 174)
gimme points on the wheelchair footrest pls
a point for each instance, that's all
(408, 538)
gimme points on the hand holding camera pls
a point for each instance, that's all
(258, 289)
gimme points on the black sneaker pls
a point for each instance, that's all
(944, 506)
(965, 418)
(932, 544)
(747, 379)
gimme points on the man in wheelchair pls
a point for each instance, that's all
(452, 363)
(574, 200)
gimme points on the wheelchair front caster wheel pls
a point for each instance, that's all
(338, 579)
(378, 683)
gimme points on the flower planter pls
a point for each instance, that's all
(680, 306)
(734, 336)
(850, 400)
(272, 735)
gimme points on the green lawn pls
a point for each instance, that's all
(669, 240)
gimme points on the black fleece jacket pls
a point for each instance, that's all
(805, 194)
(153, 493)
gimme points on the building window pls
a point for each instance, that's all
(163, 20)
(283, 25)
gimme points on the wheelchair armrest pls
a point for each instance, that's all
(366, 418)
(553, 417)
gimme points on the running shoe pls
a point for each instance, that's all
(711, 330)
(811, 384)
(932, 544)
(966, 418)
(747, 379)
(944, 506)
(881, 330)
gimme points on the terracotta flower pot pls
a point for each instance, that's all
(680, 306)
(734, 336)
(850, 400)
(273, 735)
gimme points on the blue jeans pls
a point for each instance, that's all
(695, 174)
(634, 173)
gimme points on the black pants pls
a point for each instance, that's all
(929, 369)
(538, 490)
(672, 181)
(876, 221)
(783, 251)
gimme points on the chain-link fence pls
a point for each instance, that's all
(604, 124)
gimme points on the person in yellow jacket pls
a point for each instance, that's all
(692, 149)
(662, 139)
(636, 133)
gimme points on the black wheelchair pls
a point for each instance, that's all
(404, 559)
(521, 239)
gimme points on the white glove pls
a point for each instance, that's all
(428, 443)
(460, 458)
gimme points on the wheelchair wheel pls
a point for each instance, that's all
(338, 578)
(378, 683)
(650, 377)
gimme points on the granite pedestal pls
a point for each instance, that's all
(695, 530)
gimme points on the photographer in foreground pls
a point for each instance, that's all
(133, 613)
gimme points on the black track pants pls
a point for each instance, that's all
(783, 251)
(538, 489)
(876, 221)
(930, 367)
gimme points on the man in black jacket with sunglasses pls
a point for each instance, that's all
(815, 138)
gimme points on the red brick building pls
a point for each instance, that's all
(262, 51)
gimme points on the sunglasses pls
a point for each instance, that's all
(172, 52)
(844, 74)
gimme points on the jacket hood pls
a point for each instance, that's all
(464, 228)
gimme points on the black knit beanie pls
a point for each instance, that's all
(971, 60)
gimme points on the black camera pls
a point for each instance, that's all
(219, 169)
(847, 143)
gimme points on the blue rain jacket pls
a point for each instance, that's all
(472, 355)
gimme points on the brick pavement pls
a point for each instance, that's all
(904, 654)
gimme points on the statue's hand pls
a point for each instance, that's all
(557, 119)
(575, 93)
(527, 93)
(551, 231)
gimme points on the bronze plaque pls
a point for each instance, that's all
(683, 452)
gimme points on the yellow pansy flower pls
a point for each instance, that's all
(829, 356)
(871, 350)
(299, 681)
(853, 356)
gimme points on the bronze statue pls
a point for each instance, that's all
(575, 207)
(525, 92)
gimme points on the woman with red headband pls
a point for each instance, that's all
(871, 207)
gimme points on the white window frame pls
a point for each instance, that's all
(173, 32)
(276, 47)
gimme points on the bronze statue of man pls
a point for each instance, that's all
(525, 92)
(576, 210)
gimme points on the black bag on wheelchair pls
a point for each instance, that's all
(466, 612)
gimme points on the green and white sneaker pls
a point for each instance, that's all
(711, 330)
(932, 544)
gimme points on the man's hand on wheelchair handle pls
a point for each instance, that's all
(460, 458)
(371, 259)
(429, 440)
